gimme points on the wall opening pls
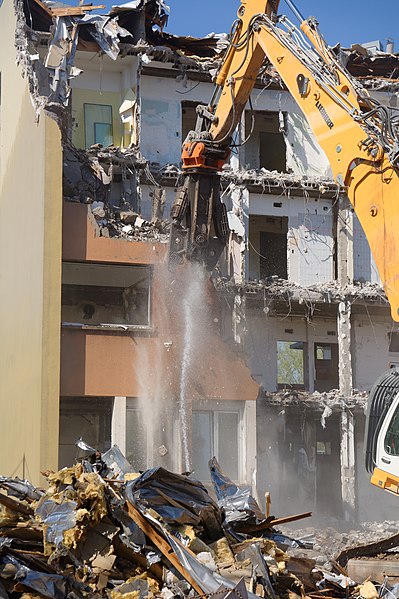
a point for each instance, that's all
(103, 294)
(328, 500)
(188, 117)
(291, 364)
(326, 366)
(268, 247)
(86, 418)
(265, 147)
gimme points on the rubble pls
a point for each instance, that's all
(101, 530)
(271, 180)
(326, 293)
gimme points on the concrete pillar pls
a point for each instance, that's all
(348, 465)
(344, 241)
(118, 425)
(310, 358)
(344, 348)
(347, 421)
(245, 220)
(249, 435)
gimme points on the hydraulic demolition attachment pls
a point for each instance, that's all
(200, 227)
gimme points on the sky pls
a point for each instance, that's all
(345, 21)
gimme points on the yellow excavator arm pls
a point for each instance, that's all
(358, 135)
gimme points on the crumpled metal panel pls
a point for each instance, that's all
(48, 585)
(189, 504)
(22, 489)
(137, 5)
(58, 518)
(236, 501)
(59, 62)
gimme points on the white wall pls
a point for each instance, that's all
(161, 115)
(310, 234)
(370, 349)
(161, 123)
(304, 155)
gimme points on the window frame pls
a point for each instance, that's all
(305, 349)
(219, 407)
(117, 327)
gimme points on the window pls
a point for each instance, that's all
(265, 147)
(105, 295)
(268, 247)
(291, 364)
(326, 366)
(98, 124)
(89, 419)
(216, 433)
(136, 437)
(391, 443)
(189, 118)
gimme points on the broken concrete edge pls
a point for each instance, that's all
(322, 293)
(327, 403)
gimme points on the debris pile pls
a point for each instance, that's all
(101, 530)
(125, 223)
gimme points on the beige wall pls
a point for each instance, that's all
(30, 272)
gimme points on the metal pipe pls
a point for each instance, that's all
(295, 10)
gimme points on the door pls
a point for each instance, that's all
(328, 469)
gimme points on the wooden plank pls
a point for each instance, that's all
(74, 11)
(162, 545)
(287, 519)
(370, 549)
(276, 522)
(16, 506)
(43, 7)
(377, 569)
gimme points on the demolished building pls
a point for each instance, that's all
(299, 325)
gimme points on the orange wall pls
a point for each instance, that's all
(104, 364)
(140, 364)
(101, 364)
(81, 241)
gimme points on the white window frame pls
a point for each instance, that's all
(219, 407)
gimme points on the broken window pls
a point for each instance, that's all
(326, 366)
(89, 419)
(268, 247)
(105, 295)
(265, 147)
(393, 342)
(189, 118)
(98, 124)
(215, 433)
(291, 364)
(136, 437)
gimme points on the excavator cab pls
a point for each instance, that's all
(382, 432)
